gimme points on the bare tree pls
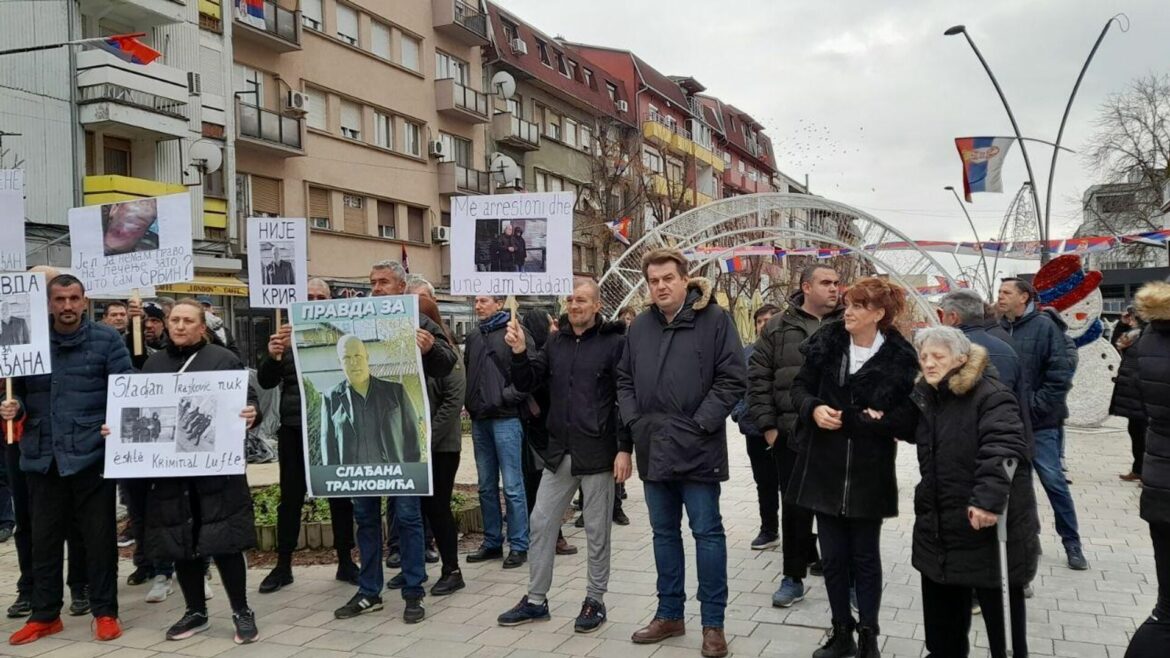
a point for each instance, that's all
(671, 193)
(615, 189)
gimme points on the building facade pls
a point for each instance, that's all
(1119, 209)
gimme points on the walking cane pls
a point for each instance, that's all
(1009, 467)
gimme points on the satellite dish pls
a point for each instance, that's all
(504, 84)
(206, 156)
(506, 171)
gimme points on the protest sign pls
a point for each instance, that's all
(24, 325)
(512, 244)
(176, 425)
(132, 244)
(277, 261)
(12, 249)
(363, 397)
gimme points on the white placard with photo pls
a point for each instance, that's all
(12, 249)
(24, 325)
(133, 244)
(277, 261)
(176, 425)
(512, 244)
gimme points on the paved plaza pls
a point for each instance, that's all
(1085, 614)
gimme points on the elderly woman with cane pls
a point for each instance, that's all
(968, 430)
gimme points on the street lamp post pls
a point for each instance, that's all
(975, 232)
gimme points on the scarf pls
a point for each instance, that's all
(497, 321)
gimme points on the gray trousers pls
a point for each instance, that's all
(552, 501)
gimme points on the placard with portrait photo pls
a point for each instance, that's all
(277, 261)
(24, 325)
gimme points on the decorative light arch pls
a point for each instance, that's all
(785, 221)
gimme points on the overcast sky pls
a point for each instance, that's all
(866, 97)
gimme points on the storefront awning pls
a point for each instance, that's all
(207, 284)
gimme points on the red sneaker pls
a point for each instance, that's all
(106, 629)
(35, 630)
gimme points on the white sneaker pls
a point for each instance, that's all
(160, 590)
(208, 594)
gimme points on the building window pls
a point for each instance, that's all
(384, 130)
(410, 143)
(249, 85)
(612, 89)
(561, 65)
(572, 69)
(570, 132)
(410, 49)
(319, 208)
(652, 161)
(447, 66)
(318, 109)
(115, 156)
(727, 158)
(510, 31)
(351, 120)
(586, 138)
(213, 185)
(740, 167)
(552, 123)
(542, 48)
(347, 24)
(380, 39)
(311, 14)
(416, 223)
(674, 170)
(516, 107)
(456, 149)
(386, 220)
(1115, 203)
(354, 207)
(589, 79)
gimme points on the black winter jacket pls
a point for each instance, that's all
(1046, 364)
(445, 395)
(1152, 386)
(283, 373)
(581, 375)
(849, 472)
(677, 383)
(1126, 401)
(490, 393)
(774, 365)
(968, 426)
(226, 523)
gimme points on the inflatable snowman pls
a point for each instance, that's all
(1065, 286)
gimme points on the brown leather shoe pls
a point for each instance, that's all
(714, 644)
(565, 548)
(1130, 477)
(660, 629)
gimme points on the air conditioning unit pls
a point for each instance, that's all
(519, 47)
(194, 84)
(440, 234)
(296, 103)
(435, 148)
(623, 106)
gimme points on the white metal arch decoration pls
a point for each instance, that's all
(785, 221)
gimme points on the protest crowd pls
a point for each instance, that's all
(569, 407)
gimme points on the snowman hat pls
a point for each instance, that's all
(1063, 282)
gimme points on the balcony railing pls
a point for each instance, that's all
(107, 91)
(511, 129)
(461, 101)
(668, 122)
(470, 18)
(470, 99)
(457, 179)
(266, 125)
(460, 20)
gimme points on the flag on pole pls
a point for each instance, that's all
(982, 163)
(127, 47)
(621, 229)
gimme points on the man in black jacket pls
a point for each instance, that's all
(681, 374)
(497, 433)
(579, 366)
(278, 368)
(773, 366)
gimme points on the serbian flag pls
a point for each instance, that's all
(733, 264)
(982, 163)
(127, 47)
(621, 229)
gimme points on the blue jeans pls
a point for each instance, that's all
(1047, 466)
(666, 500)
(367, 512)
(498, 445)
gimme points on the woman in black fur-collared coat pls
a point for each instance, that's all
(852, 397)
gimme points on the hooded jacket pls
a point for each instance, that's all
(65, 409)
(774, 363)
(580, 373)
(677, 382)
(1047, 365)
(849, 472)
(968, 426)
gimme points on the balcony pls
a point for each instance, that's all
(661, 130)
(510, 129)
(138, 101)
(112, 189)
(279, 29)
(268, 131)
(742, 182)
(459, 102)
(137, 13)
(460, 21)
(455, 179)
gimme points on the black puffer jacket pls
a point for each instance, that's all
(1126, 401)
(226, 521)
(775, 362)
(581, 375)
(967, 428)
(1153, 388)
(1046, 364)
(283, 373)
(445, 395)
(850, 471)
(677, 383)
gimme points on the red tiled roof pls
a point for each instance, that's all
(732, 120)
(530, 63)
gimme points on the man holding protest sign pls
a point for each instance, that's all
(62, 452)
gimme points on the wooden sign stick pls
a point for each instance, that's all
(9, 432)
(136, 323)
(513, 307)
(278, 320)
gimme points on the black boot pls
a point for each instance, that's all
(867, 643)
(840, 643)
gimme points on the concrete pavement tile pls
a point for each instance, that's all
(433, 648)
(610, 648)
(340, 640)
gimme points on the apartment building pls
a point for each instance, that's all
(366, 117)
(550, 125)
(747, 152)
(1119, 209)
